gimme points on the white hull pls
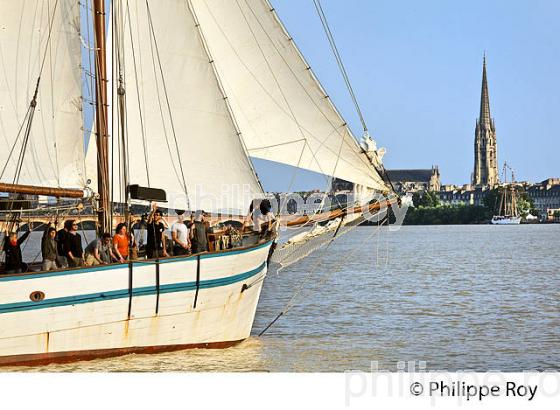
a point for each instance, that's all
(112, 309)
(507, 220)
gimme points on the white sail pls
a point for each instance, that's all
(282, 110)
(181, 137)
(54, 153)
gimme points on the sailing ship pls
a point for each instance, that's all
(186, 94)
(508, 213)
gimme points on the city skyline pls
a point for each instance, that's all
(416, 72)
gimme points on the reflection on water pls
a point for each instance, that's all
(244, 357)
(457, 297)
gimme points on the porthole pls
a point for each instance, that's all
(37, 296)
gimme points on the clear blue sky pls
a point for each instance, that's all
(416, 67)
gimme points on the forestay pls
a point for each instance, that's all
(283, 112)
(54, 152)
(180, 134)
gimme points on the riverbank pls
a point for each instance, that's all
(448, 215)
(451, 215)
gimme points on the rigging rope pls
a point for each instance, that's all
(122, 109)
(339, 62)
(15, 142)
(292, 301)
(142, 126)
(353, 146)
(223, 92)
(342, 68)
(28, 119)
(155, 45)
(113, 69)
(291, 112)
(271, 71)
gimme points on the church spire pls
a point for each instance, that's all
(484, 118)
(485, 147)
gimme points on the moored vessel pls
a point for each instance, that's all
(508, 213)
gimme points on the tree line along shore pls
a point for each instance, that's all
(427, 209)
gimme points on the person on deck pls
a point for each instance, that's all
(49, 249)
(180, 235)
(12, 247)
(264, 221)
(190, 222)
(60, 242)
(73, 246)
(198, 236)
(120, 243)
(139, 231)
(260, 217)
(156, 245)
(99, 251)
(248, 221)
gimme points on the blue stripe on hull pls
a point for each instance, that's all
(24, 276)
(123, 293)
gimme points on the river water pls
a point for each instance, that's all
(447, 298)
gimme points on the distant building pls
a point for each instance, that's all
(465, 195)
(546, 197)
(415, 180)
(340, 185)
(485, 148)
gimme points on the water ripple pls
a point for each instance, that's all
(457, 297)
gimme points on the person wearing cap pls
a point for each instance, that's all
(180, 235)
(156, 245)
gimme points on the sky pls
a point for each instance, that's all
(416, 68)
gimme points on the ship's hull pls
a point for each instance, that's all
(207, 300)
(507, 220)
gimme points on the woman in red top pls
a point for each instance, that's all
(120, 243)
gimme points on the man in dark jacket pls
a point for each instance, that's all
(12, 248)
(155, 245)
(60, 243)
(73, 246)
(198, 234)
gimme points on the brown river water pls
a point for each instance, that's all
(451, 297)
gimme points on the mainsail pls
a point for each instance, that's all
(29, 49)
(208, 83)
(179, 132)
(282, 110)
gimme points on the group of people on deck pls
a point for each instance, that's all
(63, 249)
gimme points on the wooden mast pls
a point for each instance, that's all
(101, 118)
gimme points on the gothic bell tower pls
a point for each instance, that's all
(485, 148)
